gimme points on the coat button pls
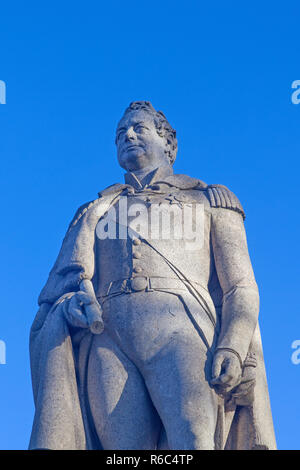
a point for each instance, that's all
(136, 254)
(137, 269)
(139, 283)
(136, 241)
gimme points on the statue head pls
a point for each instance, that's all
(144, 138)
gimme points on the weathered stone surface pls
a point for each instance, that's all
(147, 335)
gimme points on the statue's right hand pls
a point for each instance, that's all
(74, 310)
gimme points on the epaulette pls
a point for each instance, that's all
(221, 196)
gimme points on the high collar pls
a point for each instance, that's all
(159, 174)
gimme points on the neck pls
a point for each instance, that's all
(143, 173)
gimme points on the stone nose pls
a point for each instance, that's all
(130, 134)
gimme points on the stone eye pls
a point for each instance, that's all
(140, 128)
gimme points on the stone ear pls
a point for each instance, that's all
(168, 149)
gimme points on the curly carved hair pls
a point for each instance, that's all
(163, 128)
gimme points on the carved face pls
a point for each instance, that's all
(138, 144)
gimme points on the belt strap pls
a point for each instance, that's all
(141, 283)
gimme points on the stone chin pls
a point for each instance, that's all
(133, 159)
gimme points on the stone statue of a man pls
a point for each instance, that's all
(161, 265)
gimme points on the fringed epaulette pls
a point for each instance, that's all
(220, 196)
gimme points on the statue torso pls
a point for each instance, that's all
(160, 245)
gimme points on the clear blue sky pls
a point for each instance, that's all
(222, 73)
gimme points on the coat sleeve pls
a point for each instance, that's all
(240, 293)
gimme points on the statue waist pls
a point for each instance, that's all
(143, 283)
(195, 297)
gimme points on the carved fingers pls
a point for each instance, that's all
(226, 371)
(74, 309)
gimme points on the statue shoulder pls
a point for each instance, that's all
(112, 189)
(109, 191)
(220, 196)
(80, 211)
(185, 182)
(217, 195)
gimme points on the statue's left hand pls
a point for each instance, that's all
(226, 371)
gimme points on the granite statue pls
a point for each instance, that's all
(147, 334)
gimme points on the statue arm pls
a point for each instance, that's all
(240, 293)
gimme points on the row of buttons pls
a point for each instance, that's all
(136, 255)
